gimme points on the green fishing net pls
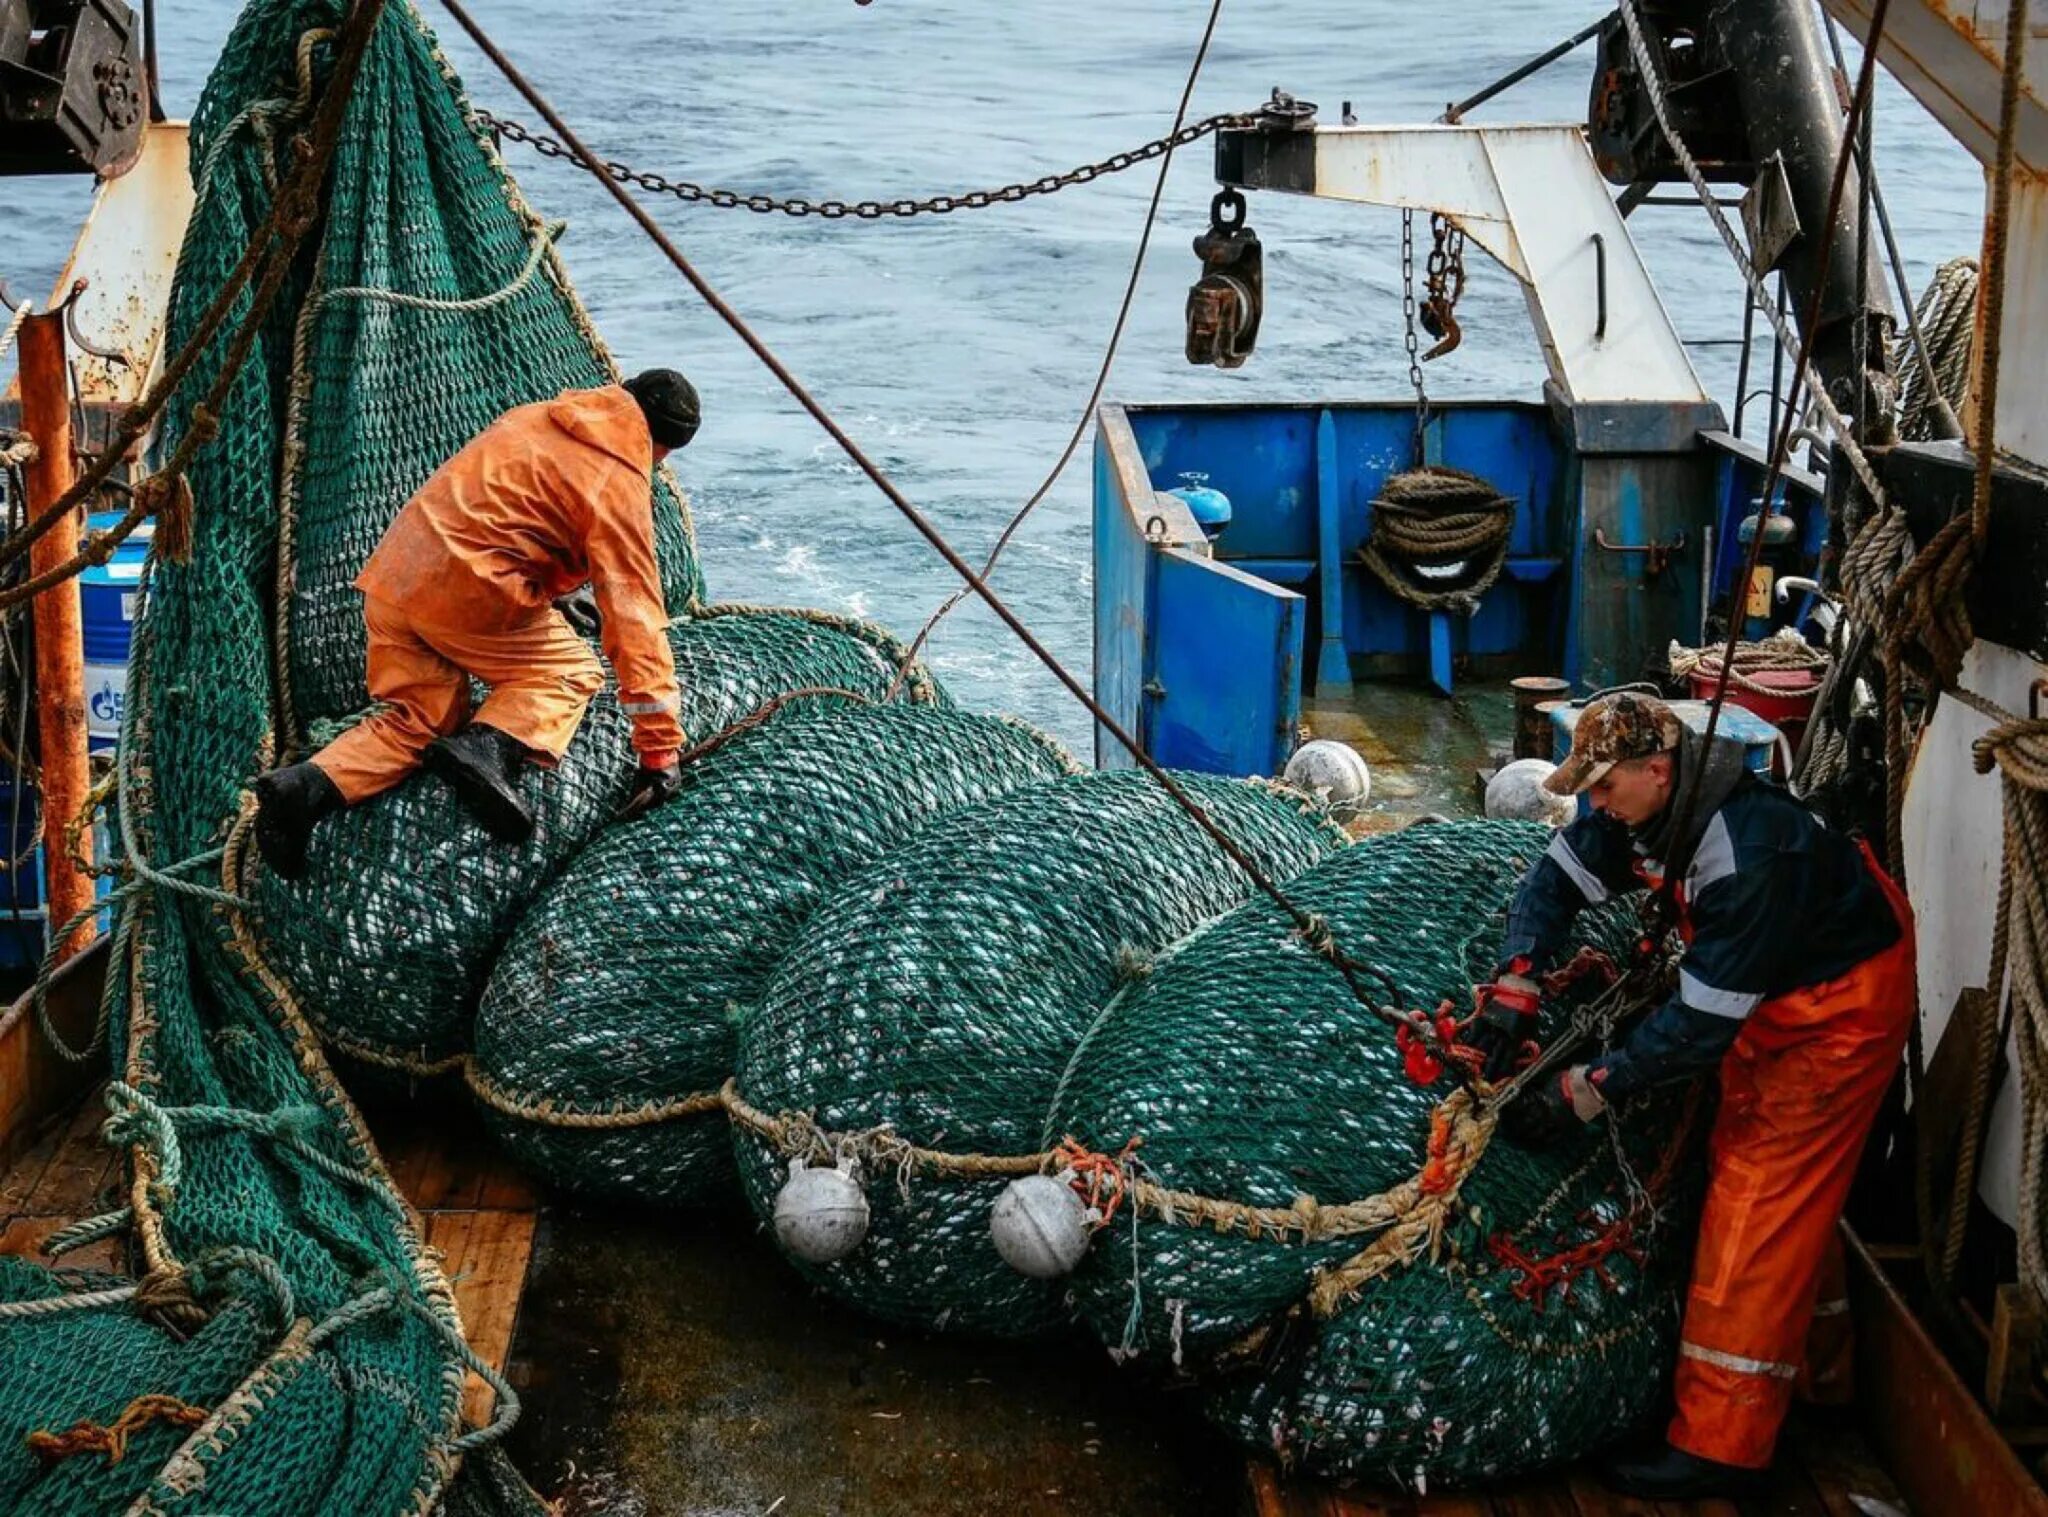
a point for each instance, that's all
(389, 962)
(578, 1029)
(281, 1291)
(1249, 1072)
(939, 992)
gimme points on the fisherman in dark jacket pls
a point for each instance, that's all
(1797, 982)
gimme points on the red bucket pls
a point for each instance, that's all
(1786, 702)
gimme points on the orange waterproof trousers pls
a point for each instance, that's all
(1800, 1090)
(541, 674)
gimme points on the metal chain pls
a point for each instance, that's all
(869, 210)
(1408, 337)
(1445, 283)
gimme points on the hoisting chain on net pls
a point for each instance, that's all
(1109, 350)
(1437, 517)
(1313, 930)
(870, 210)
(167, 494)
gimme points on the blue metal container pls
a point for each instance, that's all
(110, 597)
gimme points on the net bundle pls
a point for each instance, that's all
(609, 1019)
(389, 962)
(1384, 1285)
(934, 999)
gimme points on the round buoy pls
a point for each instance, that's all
(1331, 771)
(1517, 793)
(820, 1214)
(1040, 1226)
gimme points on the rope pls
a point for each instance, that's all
(1946, 318)
(112, 1440)
(50, 1306)
(1784, 652)
(21, 314)
(541, 243)
(272, 249)
(1442, 518)
(2017, 747)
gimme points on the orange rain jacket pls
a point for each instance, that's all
(548, 497)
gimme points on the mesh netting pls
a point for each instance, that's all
(281, 1296)
(387, 387)
(923, 956)
(1249, 1072)
(940, 991)
(709, 891)
(389, 962)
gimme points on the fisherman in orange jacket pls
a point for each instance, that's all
(1797, 984)
(473, 579)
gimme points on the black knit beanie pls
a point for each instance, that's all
(669, 402)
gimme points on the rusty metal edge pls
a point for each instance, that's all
(1936, 1438)
(36, 1086)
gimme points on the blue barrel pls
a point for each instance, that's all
(110, 598)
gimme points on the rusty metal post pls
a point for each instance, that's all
(1534, 695)
(59, 626)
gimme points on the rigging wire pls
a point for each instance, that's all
(1116, 336)
(1663, 904)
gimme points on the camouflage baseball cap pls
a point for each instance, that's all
(1613, 729)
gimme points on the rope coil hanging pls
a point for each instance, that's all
(1438, 521)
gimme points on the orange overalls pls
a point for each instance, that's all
(549, 496)
(1800, 1090)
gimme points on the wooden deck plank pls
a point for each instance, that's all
(75, 1183)
(486, 1255)
(24, 1238)
(25, 1175)
(1545, 1498)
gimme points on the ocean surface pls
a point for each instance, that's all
(960, 350)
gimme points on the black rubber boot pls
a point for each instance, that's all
(481, 765)
(288, 803)
(1671, 1474)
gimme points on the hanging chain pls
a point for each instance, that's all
(1408, 337)
(871, 210)
(1445, 283)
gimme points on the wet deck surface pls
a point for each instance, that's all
(1425, 749)
(676, 1365)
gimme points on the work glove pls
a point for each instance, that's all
(579, 609)
(1552, 1111)
(650, 788)
(1506, 1020)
